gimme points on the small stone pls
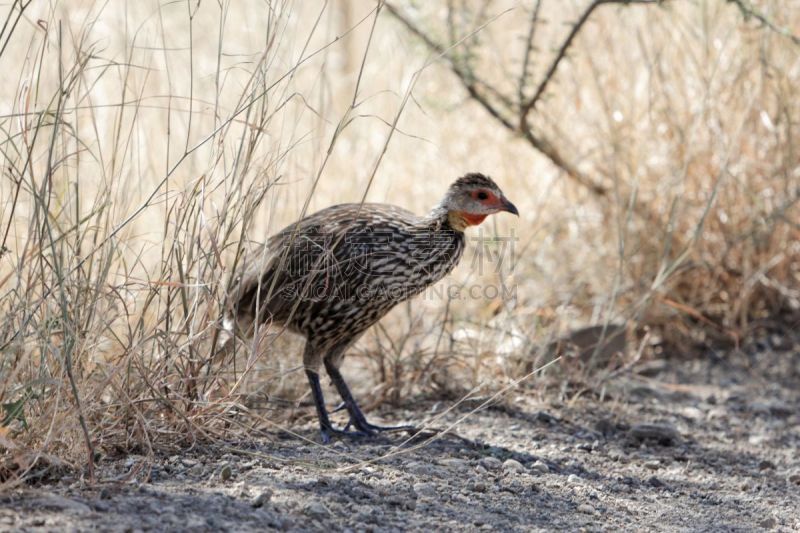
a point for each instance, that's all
(540, 467)
(775, 408)
(652, 465)
(100, 506)
(261, 498)
(477, 486)
(425, 489)
(512, 465)
(196, 522)
(420, 468)
(491, 463)
(547, 418)
(316, 509)
(454, 462)
(653, 481)
(605, 427)
(664, 434)
(585, 508)
(572, 478)
(795, 478)
(242, 491)
(768, 523)
(225, 472)
(766, 465)
(512, 485)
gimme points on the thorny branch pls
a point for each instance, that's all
(748, 11)
(513, 115)
(562, 50)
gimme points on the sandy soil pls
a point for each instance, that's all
(704, 445)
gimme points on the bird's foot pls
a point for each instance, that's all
(329, 431)
(361, 428)
(365, 427)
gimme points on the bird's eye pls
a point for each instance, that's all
(482, 195)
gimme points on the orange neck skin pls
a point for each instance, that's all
(460, 220)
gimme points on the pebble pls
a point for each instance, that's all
(795, 478)
(512, 465)
(774, 408)
(316, 509)
(491, 463)
(425, 489)
(572, 478)
(420, 469)
(766, 465)
(547, 418)
(454, 462)
(662, 433)
(540, 467)
(101, 506)
(605, 427)
(478, 486)
(768, 523)
(585, 508)
(652, 465)
(261, 498)
(512, 485)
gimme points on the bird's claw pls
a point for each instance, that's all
(362, 428)
(378, 429)
(327, 432)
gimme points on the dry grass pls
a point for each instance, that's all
(146, 144)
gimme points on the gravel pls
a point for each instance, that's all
(707, 459)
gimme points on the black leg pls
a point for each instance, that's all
(325, 426)
(357, 418)
(319, 402)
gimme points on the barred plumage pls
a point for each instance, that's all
(333, 274)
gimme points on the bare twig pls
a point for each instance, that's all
(504, 116)
(526, 107)
(523, 75)
(748, 11)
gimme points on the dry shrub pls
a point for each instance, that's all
(671, 129)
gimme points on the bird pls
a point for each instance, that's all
(331, 275)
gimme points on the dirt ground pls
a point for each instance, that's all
(702, 445)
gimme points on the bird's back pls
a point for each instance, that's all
(342, 268)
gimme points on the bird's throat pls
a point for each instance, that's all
(460, 220)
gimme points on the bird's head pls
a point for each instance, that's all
(471, 198)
